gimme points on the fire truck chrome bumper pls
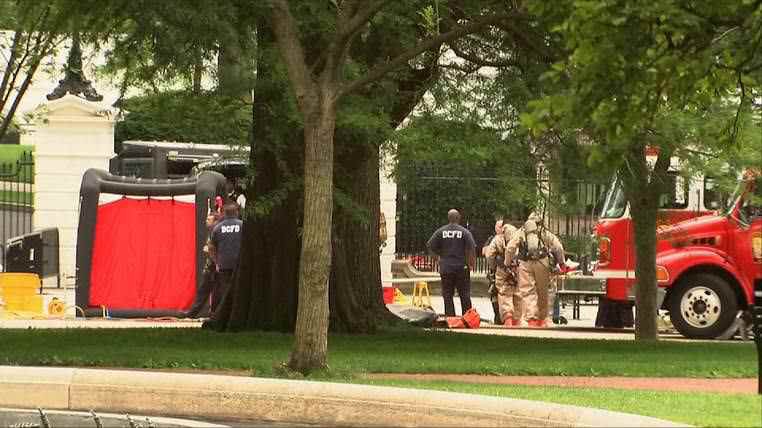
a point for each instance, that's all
(614, 274)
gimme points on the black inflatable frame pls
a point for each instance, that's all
(205, 186)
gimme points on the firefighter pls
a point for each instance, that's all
(487, 253)
(539, 253)
(508, 297)
(454, 245)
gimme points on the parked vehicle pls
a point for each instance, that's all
(162, 159)
(708, 260)
(614, 231)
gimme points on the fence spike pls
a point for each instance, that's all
(96, 419)
(44, 422)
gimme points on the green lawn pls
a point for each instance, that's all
(400, 351)
(416, 351)
(15, 197)
(11, 152)
(699, 409)
(10, 174)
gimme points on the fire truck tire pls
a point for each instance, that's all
(702, 306)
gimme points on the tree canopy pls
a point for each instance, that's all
(639, 77)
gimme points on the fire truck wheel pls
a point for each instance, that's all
(702, 306)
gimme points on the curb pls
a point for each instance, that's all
(290, 401)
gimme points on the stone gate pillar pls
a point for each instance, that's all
(389, 211)
(72, 136)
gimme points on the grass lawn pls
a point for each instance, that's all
(10, 153)
(399, 351)
(699, 409)
(14, 197)
(416, 351)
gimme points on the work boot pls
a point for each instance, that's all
(496, 309)
(512, 322)
(537, 323)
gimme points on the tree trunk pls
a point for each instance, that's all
(644, 221)
(643, 187)
(311, 334)
(355, 292)
(264, 292)
(234, 71)
(196, 75)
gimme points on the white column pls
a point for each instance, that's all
(389, 208)
(73, 136)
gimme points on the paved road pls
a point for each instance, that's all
(583, 328)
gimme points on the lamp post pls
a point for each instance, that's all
(74, 81)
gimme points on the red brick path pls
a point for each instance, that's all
(737, 386)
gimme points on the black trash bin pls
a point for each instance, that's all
(35, 252)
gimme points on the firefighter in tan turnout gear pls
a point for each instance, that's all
(539, 253)
(492, 291)
(508, 298)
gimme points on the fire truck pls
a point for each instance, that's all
(708, 256)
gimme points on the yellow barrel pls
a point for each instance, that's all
(21, 284)
(20, 292)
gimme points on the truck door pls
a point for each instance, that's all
(748, 239)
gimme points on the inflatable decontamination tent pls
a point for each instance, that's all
(141, 255)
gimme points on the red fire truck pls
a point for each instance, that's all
(708, 258)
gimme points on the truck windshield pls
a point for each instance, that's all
(615, 203)
(751, 209)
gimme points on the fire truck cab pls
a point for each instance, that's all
(708, 257)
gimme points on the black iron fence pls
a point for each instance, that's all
(16, 198)
(570, 210)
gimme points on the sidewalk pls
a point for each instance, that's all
(214, 397)
(582, 328)
(100, 323)
(483, 305)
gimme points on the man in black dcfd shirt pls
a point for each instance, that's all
(225, 244)
(455, 247)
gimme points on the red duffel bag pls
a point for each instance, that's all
(472, 319)
(455, 322)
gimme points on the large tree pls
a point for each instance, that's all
(332, 81)
(173, 44)
(641, 78)
(265, 292)
(31, 32)
(159, 53)
(316, 59)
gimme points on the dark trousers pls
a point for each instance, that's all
(461, 281)
(614, 314)
(201, 305)
(224, 280)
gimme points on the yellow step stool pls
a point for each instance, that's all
(421, 295)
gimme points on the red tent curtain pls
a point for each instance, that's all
(144, 255)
